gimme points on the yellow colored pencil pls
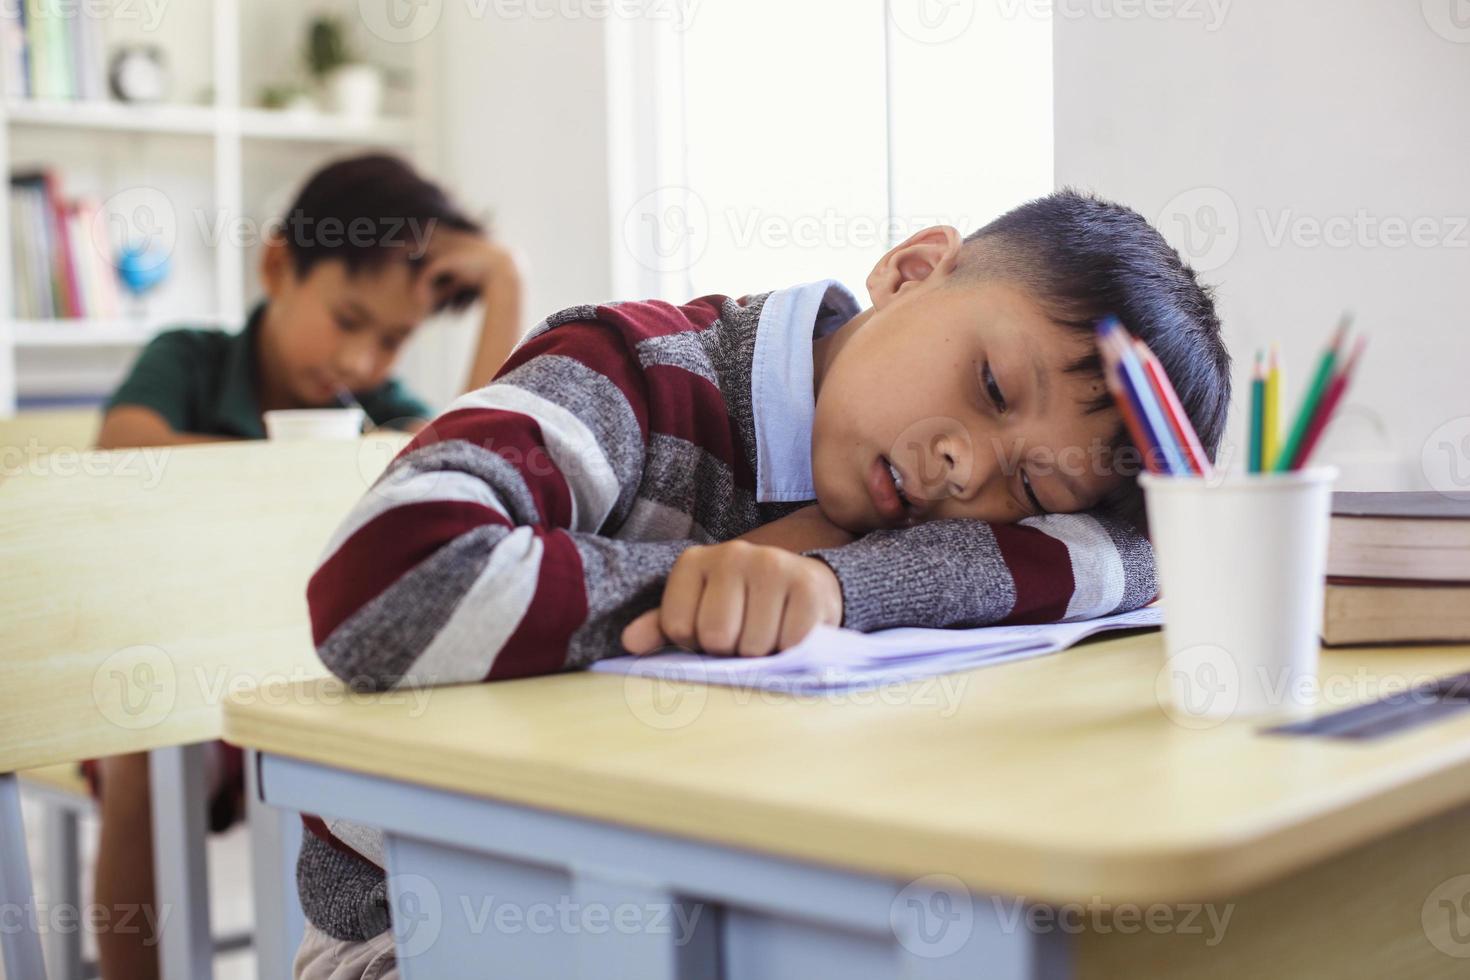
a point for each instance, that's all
(1271, 427)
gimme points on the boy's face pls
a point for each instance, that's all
(960, 386)
(330, 329)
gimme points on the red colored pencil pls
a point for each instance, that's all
(1328, 405)
(1178, 420)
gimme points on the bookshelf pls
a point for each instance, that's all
(216, 155)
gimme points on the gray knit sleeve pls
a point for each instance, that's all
(942, 573)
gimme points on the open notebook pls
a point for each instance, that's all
(832, 659)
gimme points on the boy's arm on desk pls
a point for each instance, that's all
(477, 555)
(961, 572)
(131, 426)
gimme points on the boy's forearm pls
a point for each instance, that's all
(974, 573)
(501, 328)
(475, 557)
(497, 597)
(134, 426)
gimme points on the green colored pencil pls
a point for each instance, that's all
(1258, 413)
(1313, 397)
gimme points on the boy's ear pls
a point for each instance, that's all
(275, 265)
(929, 255)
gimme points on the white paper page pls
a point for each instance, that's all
(833, 659)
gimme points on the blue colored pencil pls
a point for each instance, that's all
(1115, 347)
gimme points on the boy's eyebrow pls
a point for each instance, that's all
(1043, 379)
(362, 311)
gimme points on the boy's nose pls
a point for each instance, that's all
(964, 473)
(355, 362)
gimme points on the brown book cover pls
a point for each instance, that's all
(1398, 583)
(1369, 611)
(1403, 536)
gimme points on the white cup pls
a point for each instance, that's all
(1241, 561)
(314, 423)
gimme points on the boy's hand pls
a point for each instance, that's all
(738, 598)
(458, 267)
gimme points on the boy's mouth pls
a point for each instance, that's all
(886, 488)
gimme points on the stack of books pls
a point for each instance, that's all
(1398, 569)
(52, 50)
(62, 259)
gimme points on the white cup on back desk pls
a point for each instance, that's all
(314, 423)
(1241, 561)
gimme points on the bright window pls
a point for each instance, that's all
(814, 135)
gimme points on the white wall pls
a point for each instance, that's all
(1297, 143)
(523, 137)
(972, 101)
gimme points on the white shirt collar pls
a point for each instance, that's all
(782, 400)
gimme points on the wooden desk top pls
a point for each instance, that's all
(46, 431)
(137, 587)
(1057, 779)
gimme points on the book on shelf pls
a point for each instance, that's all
(52, 51)
(63, 265)
(1398, 568)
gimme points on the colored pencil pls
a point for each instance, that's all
(1134, 424)
(1161, 452)
(1258, 408)
(1330, 400)
(1179, 424)
(1287, 455)
(1271, 412)
(1128, 405)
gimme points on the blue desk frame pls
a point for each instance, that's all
(490, 889)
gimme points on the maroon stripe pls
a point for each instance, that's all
(388, 546)
(688, 406)
(655, 318)
(559, 607)
(516, 438)
(318, 828)
(1041, 567)
(704, 311)
(595, 345)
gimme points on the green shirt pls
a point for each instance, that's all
(205, 381)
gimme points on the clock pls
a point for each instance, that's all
(138, 74)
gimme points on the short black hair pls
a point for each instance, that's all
(365, 211)
(1084, 258)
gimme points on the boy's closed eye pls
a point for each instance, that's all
(996, 396)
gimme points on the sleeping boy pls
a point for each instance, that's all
(725, 474)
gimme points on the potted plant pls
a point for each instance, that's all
(353, 87)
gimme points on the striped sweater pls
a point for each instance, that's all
(528, 524)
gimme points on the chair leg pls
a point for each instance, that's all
(20, 950)
(180, 872)
(275, 840)
(63, 874)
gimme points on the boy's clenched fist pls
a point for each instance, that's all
(738, 598)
